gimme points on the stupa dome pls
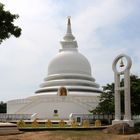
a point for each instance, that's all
(69, 62)
(69, 69)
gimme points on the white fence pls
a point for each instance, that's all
(136, 118)
(13, 117)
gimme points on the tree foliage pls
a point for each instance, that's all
(2, 107)
(135, 94)
(7, 27)
(106, 101)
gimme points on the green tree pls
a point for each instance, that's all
(106, 101)
(2, 107)
(7, 27)
(135, 95)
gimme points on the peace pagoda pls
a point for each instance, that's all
(68, 88)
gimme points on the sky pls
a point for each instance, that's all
(103, 30)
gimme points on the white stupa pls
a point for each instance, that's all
(68, 88)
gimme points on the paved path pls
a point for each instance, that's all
(8, 128)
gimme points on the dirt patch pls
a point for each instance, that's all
(69, 135)
(122, 128)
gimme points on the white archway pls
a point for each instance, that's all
(126, 88)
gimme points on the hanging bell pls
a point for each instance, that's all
(121, 63)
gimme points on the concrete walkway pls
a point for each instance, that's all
(8, 129)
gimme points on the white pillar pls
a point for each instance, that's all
(127, 115)
(117, 98)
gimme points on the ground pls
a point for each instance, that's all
(69, 135)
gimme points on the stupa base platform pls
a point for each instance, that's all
(62, 128)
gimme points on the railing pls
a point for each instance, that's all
(136, 118)
(13, 117)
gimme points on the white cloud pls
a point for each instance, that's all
(24, 61)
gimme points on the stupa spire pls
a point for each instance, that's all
(69, 36)
(69, 26)
(69, 42)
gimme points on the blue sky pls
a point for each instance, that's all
(103, 30)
